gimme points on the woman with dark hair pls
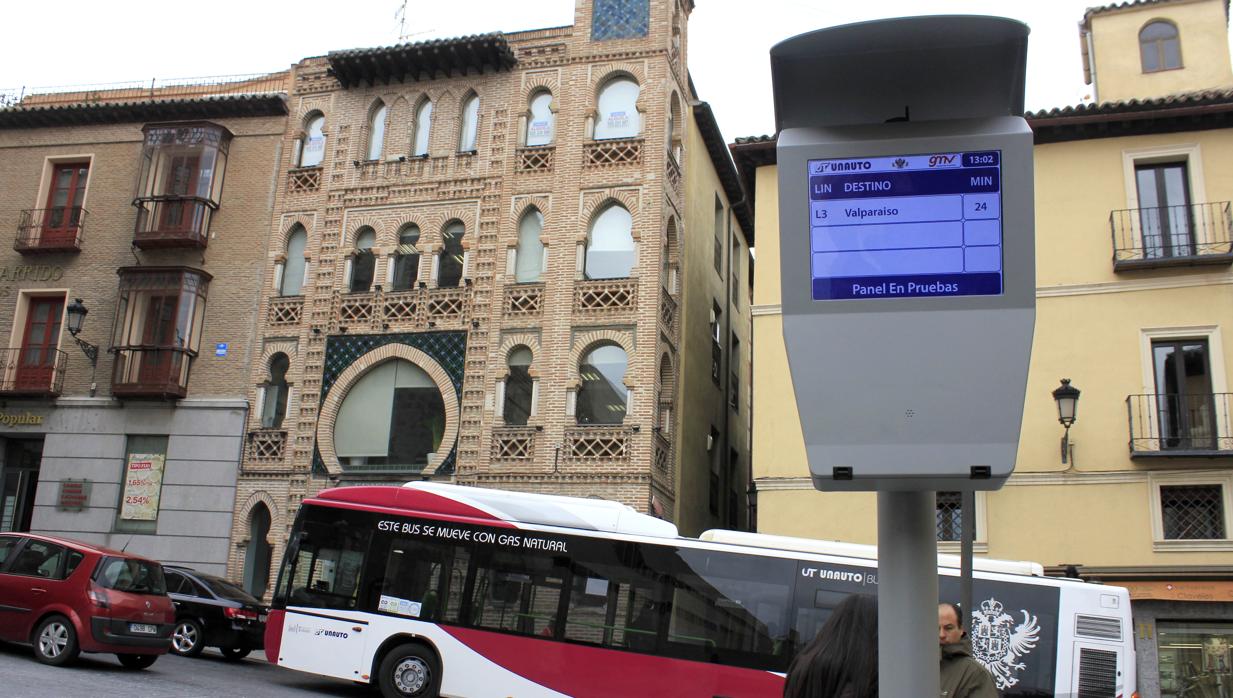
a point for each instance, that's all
(842, 661)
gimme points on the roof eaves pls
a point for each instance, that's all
(721, 160)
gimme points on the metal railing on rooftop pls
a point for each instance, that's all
(142, 90)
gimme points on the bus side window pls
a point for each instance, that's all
(518, 592)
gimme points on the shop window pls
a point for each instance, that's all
(529, 256)
(610, 245)
(141, 493)
(274, 403)
(376, 131)
(393, 418)
(407, 258)
(1194, 658)
(292, 281)
(1160, 48)
(452, 260)
(423, 128)
(618, 111)
(541, 125)
(159, 318)
(602, 395)
(312, 144)
(180, 183)
(363, 261)
(519, 388)
(470, 125)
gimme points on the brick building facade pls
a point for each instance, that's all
(481, 269)
(143, 207)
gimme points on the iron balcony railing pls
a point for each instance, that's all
(32, 371)
(145, 90)
(1166, 424)
(50, 229)
(1170, 235)
(172, 221)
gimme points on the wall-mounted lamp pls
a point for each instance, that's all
(1067, 398)
(76, 312)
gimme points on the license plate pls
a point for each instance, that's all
(142, 628)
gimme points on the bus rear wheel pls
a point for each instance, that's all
(409, 671)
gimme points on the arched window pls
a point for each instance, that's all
(602, 396)
(364, 262)
(274, 404)
(667, 383)
(610, 245)
(1160, 48)
(312, 146)
(293, 268)
(394, 415)
(449, 269)
(618, 113)
(423, 125)
(407, 259)
(257, 553)
(529, 257)
(376, 131)
(470, 125)
(519, 388)
(542, 123)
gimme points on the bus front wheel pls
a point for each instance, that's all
(409, 671)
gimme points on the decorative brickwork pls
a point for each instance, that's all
(303, 180)
(535, 159)
(286, 311)
(623, 151)
(606, 297)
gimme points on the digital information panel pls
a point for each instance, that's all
(906, 226)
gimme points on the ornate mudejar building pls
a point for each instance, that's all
(510, 260)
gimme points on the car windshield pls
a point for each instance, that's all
(131, 575)
(226, 590)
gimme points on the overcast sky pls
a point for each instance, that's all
(74, 42)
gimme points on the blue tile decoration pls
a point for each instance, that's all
(447, 348)
(620, 19)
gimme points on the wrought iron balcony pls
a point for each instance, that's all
(172, 221)
(32, 371)
(45, 230)
(1173, 425)
(151, 372)
(1193, 234)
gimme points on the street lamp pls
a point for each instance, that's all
(76, 316)
(1067, 398)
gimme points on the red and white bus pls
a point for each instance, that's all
(432, 589)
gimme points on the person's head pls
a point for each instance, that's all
(844, 655)
(950, 623)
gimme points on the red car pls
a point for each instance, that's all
(65, 597)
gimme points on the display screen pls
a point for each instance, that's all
(906, 226)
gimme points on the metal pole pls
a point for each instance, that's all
(907, 594)
(967, 533)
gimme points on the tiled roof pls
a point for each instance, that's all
(422, 60)
(1190, 111)
(87, 113)
(1184, 99)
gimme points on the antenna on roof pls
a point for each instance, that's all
(130, 540)
(401, 16)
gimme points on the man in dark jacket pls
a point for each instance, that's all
(962, 676)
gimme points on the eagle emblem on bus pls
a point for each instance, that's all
(999, 644)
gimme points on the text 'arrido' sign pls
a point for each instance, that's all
(904, 226)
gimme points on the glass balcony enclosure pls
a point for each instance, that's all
(157, 332)
(180, 183)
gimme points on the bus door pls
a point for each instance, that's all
(1098, 670)
(323, 630)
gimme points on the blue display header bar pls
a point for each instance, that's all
(967, 180)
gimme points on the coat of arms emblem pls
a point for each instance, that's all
(999, 644)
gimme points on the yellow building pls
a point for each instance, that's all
(1133, 254)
